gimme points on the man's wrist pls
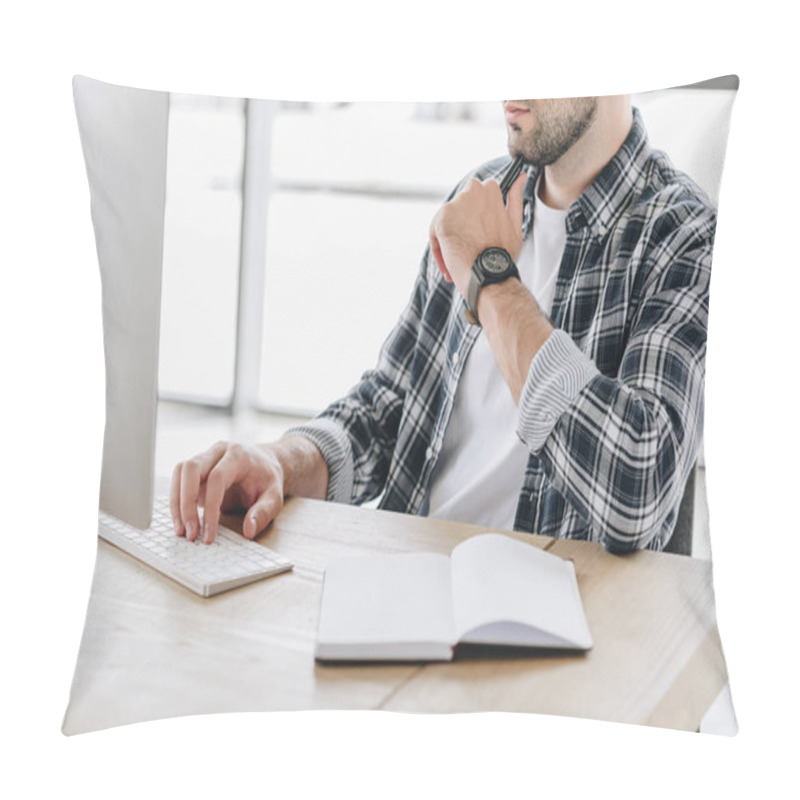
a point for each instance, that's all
(305, 471)
(497, 299)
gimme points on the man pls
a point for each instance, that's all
(571, 402)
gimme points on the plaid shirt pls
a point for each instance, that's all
(612, 409)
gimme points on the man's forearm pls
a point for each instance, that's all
(515, 327)
(305, 472)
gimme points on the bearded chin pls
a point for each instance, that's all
(530, 154)
(548, 143)
(540, 153)
(516, 144)
(527, 147)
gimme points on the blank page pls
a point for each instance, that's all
(503, 587)
(378, 601)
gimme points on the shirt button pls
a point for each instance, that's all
(455, 358)
(429, 454)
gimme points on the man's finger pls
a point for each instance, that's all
(472, 185)
(221, 477)
(514, 200)
(437, 253)
(262, 512)
(175, 501)
(193, 472)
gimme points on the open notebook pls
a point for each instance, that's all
(492, 590)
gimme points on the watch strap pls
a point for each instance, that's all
(473, 290)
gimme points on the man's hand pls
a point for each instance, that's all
(512, 321)
(253, 479)
(472, 221)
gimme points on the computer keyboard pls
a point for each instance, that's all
(229, 562)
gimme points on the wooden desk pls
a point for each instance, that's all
(151, 649)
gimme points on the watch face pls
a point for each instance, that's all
(495, 261)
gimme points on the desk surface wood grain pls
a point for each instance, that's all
(152, 649)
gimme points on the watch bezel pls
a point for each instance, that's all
(479, 278)
(484, 258)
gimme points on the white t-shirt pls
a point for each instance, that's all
(480, 469)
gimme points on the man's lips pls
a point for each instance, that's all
(514, 113)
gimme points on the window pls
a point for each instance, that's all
(205, 159)
(355, 187)
(343, 197)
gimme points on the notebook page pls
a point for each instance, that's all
(519, 590)
(387, 600)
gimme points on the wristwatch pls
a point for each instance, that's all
(493, 265)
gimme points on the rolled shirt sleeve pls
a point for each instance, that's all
(558, 372)
(334, 445)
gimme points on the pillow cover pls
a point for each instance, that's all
(253, 256)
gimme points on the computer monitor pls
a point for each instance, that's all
(124, 138)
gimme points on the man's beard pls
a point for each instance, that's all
(556, 131)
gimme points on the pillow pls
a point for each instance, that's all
(254, 255)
